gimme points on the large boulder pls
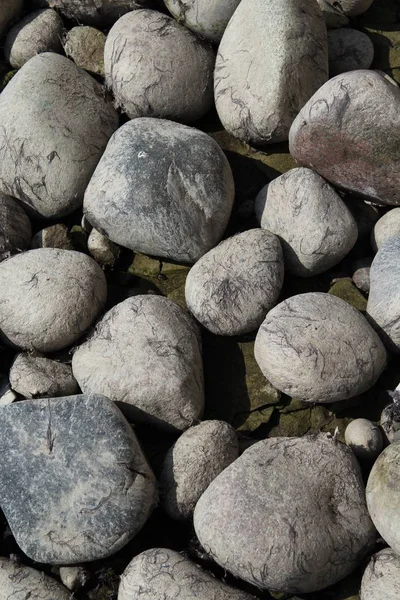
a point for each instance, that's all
(381, 579)
(349, 132)
(20, 583)
(75, 486)
(145, 354)
(289, 515)
(55, 125)
(318, 348)
(157, 68)
(15, 227)
(272, 58)
(162, 189)
(206, 18)
(49, 297)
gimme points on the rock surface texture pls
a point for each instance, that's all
(206, 18)
(381, 578)
(349, 49)
(18, 582)
(37, 377)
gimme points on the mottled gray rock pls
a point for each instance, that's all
(100, 13)
(232, 287)
(76, 486)
(38, 377)
(348, 50)
(103, 250)
(207, 18)
(318, 348)
(162, 189)
(333, 17)
(157, 68)
(288, 515)
(272, 57)
(18, 582)
(9, 12)
(349, 132)
(85, 45)
(15, 227)
(361, 273)
(390, 418)
(364, 438)
(55, 126)
(351, 8)
(314, 225)
(146, 355)
(383, 495)
(55, 236)
(39, 31)
(381, 579)
(387, 227)
(74, 577)
(162, 574)
(49, 297)
(193, 462)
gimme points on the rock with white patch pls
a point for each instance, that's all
(20, 582)
(381, 578)
(206, 18)
(38, 377)
(349, 49)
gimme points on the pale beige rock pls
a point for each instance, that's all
(85, 45)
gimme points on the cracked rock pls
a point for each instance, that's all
(15, 227)
(175, 190)
(76, 486)
(349, 49)
(381, 578)
(37, 377)
(18, 582)
(289, 515)
(145, 354)
(206, 18)
(386, 227)
(85, 45)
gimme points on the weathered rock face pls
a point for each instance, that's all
(388, 226)
(314, 225)
(318, 348)
(232, 287)
(15, 227)
(289, 515)
(145, 354)
(19, 582)
(52, 138)
(348, 50)
(37, 377)
(381, 578)
(162, 189)
(49, 297)
(351, 8)
(85, 45)
(9, 11)
(262, 77)
(162, 574)
(76, 486)
(208, 19)
(157, 68)
(349, 133)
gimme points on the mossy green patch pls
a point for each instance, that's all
(6, 78)
(346, 290)
(387, 50)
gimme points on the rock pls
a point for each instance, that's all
(85, 45)
(37, 377)
(262, 78)
(143, 335)
(383, 495)
(318, 348)
(351, 8)
(93, 489)
(361, 273)
(310, 493)
(20, 582)
(15, 227)
(74, 577)
(174, 184)
(9, 12)
(232, 287)
(364, 438)
(162, 574)
(314, 225)
(387, 227)
(49, 297)
(39, 31)
(359, 113)
(103, 250)
(344, 289)
(193, 462)
(348, 50)
(157, 68)
(56, 121)
(333, 17)
(208, 19)
(55, 236)
(390, 420)
(381, 578)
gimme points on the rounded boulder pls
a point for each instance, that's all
(381, 578)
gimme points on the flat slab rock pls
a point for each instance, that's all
(74, 484)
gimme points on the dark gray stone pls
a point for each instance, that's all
(15, 227)
(74, 484)
(349, 49)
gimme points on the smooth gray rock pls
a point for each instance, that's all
(318, 348)
(103, 250)
(207, 18)
(9, 12)
(272, 58)
(288, 515)
(388, 226)
(55, 125)
(333, 17)
(85, 45)
(49, 297)
(157, 68)
(163, 574)
(75, 486)
(193, 462)
(232, 287)
(349, 132)
(145, 354)
(364, 438)
(18, 582)
(351, 8)
(381, 579)
(15, 227)
(314, 225)
(38, 377)
(39, 31)
(55, 236)
(348, 50)
(162, 189)
(361, 274)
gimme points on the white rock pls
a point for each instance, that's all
(38, 377)
(381, 579)
(364, 438)
(102, 249)
(207, 18)
(386, 227)
(74, 577)
(19, 583)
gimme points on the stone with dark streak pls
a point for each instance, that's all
(74, 484)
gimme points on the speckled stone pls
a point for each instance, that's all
(85, 45)
(349, 49)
